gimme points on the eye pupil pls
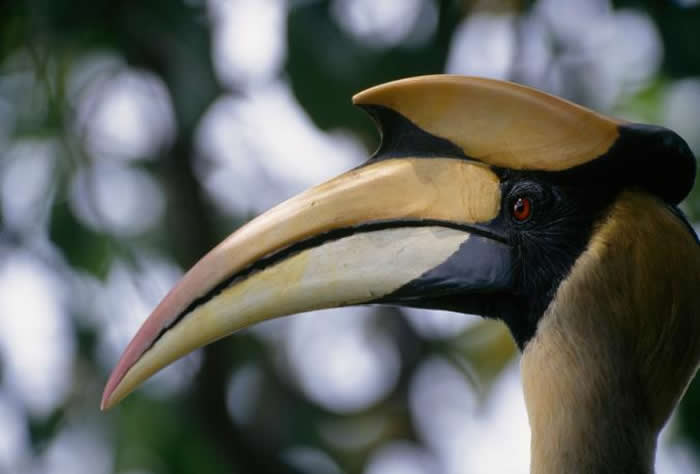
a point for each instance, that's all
(522, 208)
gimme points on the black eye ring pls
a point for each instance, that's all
(521, 209)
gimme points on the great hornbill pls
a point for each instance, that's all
(492, 198)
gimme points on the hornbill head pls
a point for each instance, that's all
(484, 197)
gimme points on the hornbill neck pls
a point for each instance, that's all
(616, 348)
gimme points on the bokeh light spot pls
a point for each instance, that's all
(675, 455)
(14, 436)
(468, 435)
(578, 32)
(36, 337)
(681, 110)
(79, 449)
(483, 45)
(387, 23)
(122, 200)
(433, 324)
(249, 39)
(26, 183)
(341, 362)
(126, 114)
(402, 457)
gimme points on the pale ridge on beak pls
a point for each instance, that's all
(453, 191)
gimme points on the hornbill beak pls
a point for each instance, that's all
(422, 223)
(355, 239)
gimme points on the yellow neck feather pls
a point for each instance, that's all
(617, 347)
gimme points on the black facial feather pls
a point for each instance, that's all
(547, 244)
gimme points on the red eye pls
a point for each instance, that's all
(522, 208)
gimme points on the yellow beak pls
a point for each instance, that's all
(357, 238)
